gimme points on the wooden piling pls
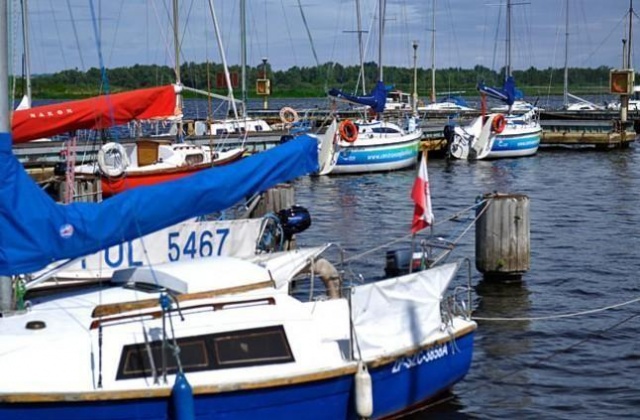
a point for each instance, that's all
(502, 236)
(86, 188)
(275, 199)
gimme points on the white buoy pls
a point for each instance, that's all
(364, 391)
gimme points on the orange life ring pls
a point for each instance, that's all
(288, 115)
(499, 123)
(348, 131)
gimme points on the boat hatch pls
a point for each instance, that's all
(231, 349)
(144, 287)
(199, 275)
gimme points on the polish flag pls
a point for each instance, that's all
(422, 213)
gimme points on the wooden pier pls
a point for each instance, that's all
(598, 133)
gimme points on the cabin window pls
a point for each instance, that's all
(254, 347)
(386, 130)
(258, 128)
(194, 159)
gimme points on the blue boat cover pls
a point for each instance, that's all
(507, 94)
(376, 100)
(458, 100)
(36, 231)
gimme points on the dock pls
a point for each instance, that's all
(600, 133)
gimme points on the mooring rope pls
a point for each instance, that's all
(567, 315)
(407, 236)
(538, 361)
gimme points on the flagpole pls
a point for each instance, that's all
(413, 249)
(422, 211)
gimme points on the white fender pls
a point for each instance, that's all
(364, 391)
(112, 160)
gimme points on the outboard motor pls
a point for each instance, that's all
(285, 138)
(636, 126)
(294, 220)
(60, 168)
(398, 262)
(448, 133)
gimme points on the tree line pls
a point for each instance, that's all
(313, 81)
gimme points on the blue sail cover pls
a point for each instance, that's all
(376, 100)
(458, 100)
(508, 93)
(36, 231)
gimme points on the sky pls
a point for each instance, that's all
(62, 33)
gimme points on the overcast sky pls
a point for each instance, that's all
(468, 32)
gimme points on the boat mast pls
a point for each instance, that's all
(565, 93)
(414, 99)
(360, 47)
(507, 72)
(6, 290)
(176, 51)
(223, 57)
(27, 60)
(380, 33)
(243, 56)
(433, 53)
(630, 32)
(176, 42)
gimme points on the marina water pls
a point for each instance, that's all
(585, 243)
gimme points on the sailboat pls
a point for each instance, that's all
(449, 102)
(581, 104)
(515, 134)
(374, 145)
(216, 337)
(151, 161)
(211, 337)
(239, 123)
(121, 167)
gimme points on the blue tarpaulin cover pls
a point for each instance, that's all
(36, 231)
(508, 93)
(376, 100)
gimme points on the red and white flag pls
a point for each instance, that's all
(422, 213)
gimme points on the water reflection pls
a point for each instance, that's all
(503, 344)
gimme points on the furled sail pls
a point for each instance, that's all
(36, 231)
(507, 94)
(94, 113)
(376, 100)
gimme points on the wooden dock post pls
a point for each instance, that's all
(6, 295)
(85, 189)
(502, 236)
(274, 199)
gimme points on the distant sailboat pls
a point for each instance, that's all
(239, 123)
(449, 102)
(581, 104)
(375, 145)
(511, 135)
